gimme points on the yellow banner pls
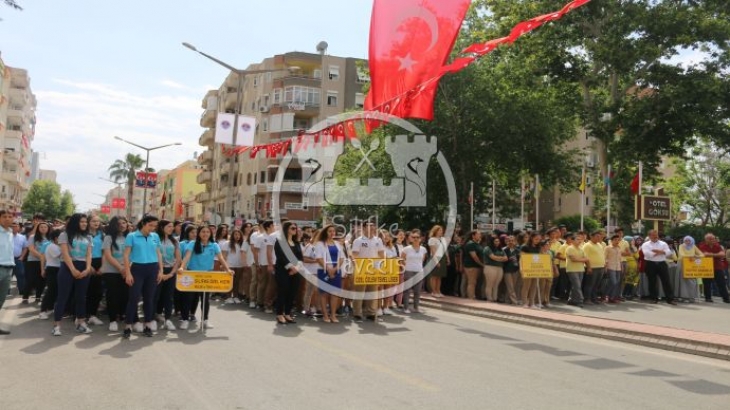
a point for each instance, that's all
(536, 266)
(377, 271)
(201, 281)
(698, 268)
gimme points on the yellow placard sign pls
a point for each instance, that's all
(536, 266)
(698, 268)
(377, 271)
(201, 281)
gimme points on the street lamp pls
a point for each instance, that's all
(146, 165)
(239, 95)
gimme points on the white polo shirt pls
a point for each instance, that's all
(367, 247)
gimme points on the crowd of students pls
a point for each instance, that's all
(74, 268)
(588, 268)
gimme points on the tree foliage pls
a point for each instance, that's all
(702, 185)
(125, 170)
(619, 62)
(45, 197)
(572, 223)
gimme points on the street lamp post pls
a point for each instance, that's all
(146, 166)
(239, 95)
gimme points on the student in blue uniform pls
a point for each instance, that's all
(73, 276)
(170, 262)
(95, 293)
(143, 271)
(34, 277)
(112, 271)
(201, 256)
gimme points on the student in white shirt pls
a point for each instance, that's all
(367, 246)
(414, 255)
(53, 263)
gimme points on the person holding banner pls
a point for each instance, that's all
(370, 246)
(144, 270)
(286, 271)
(688, 290)
(414, 256)
(330, 258)
(201, 256)
(712, 248)
(529, 285)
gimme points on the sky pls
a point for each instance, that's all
(101, 69)
(106, 68)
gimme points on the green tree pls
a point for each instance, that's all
(634, 97)
(572, 223)
(45, 197)
(702, 185)
(126, 170)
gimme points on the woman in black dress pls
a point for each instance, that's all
(286, 271)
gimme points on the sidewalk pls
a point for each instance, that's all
(702, 329)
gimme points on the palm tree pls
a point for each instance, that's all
(126, 170)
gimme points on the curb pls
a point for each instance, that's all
(608, 329)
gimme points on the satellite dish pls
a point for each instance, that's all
(322, 47)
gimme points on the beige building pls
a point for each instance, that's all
(47, 175)
(17, 128)
(306, 89)
(179, 187)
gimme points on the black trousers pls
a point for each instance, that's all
(33, 279)
(95, 293)
(117, 294)
(706, 285)
(49, 298)
(163, 295)
(286, 291)
(659, 270)
(190, 302)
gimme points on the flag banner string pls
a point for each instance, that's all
(400, 106)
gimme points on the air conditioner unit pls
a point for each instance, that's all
(264, 108)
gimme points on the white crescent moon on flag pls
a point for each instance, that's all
(419, 13)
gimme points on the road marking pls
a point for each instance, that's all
(403, 377)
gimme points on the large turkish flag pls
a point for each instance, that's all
(410, 41)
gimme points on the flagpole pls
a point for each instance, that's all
(582, 195)
(522, 200)
(638, 193)
(537, 202)
(494, 206)
(471, 203)
(608, 201)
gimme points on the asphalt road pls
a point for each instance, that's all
(433, 360)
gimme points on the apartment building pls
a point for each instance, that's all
(47, 175)
(306, 88)
(179, 187)
(17, 128)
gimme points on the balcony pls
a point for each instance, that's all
(202, 197)
(210, 101)
(11, 176)
(204, 177)
(19, 96)
(206, 139)
(207, 120)
(300, 79)
(229, 102)
(206, 158)
(286, 187)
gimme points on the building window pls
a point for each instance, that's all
(268, 77)
(588, 201)
(277, 96)
(317, 73)
(334, 72)
(262, 178)
(359, 100)
(266, 100)
(362, 76)
(265, 125)
(248, 179)
(331, 98)
(303, 95)
(255, 81)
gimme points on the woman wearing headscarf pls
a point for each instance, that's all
(688, 290)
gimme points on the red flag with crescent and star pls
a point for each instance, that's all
(410, 41)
